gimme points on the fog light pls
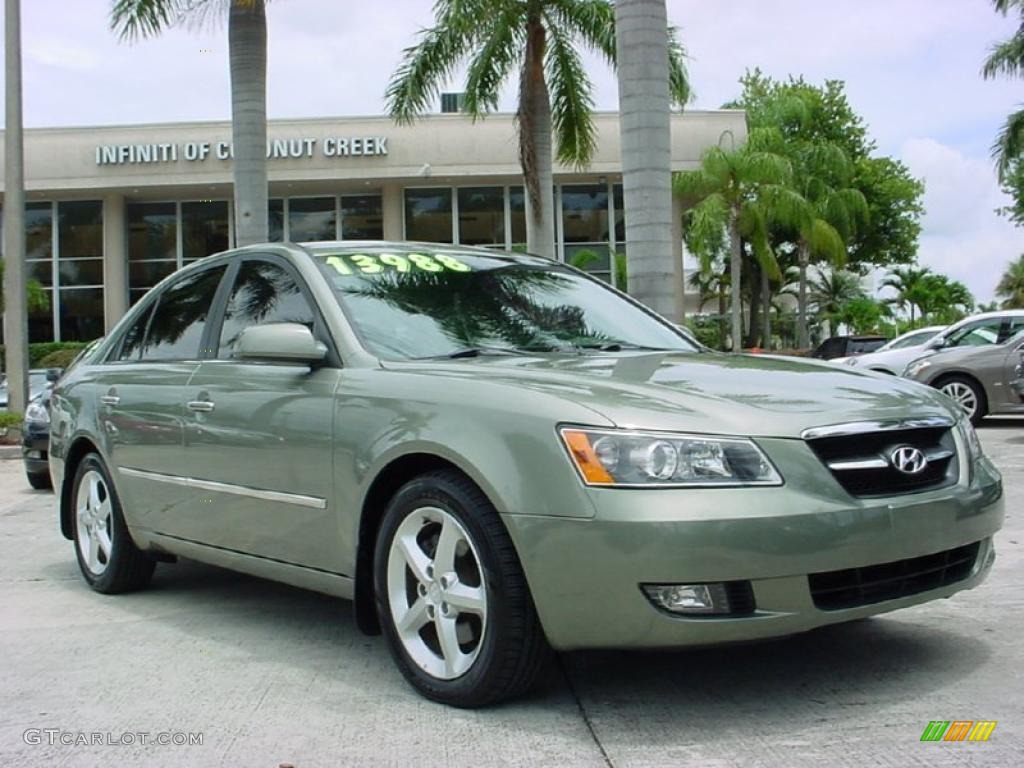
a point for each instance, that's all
(689, 598)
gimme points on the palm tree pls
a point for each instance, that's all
(247, 52)
(831, 291)
(907, 282)
(650, 74)
(737, 193)
(1011, 285)
(828, 219)
(540, 37)
(1007, 58)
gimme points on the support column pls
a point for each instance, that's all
(115, 261)
(677, 259)
(391, 202)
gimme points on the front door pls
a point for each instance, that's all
(259, 436)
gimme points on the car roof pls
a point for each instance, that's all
(319, 247)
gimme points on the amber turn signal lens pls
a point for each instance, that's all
(586, 460)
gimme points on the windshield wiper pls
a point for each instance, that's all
(618, 346)
(480, 351)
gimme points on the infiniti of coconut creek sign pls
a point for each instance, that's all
(199, 151)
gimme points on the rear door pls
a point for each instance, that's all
(141, 390)
(259, 435)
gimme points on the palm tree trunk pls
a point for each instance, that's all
(535, 148)
(247, 43)
(15, 304)
(735, 261)
(803, 339)
(766, 300)
(721, 312)
(645, 135)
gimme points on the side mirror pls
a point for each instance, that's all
(281, 342)
(53, 374)
(937, 343)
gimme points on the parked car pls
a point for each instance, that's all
(36, 383)
(983, 379)
(35, 440)
(894, 356)
(845, 346)
(495, 454)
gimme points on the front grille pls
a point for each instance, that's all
(835, 590)
(862, 463)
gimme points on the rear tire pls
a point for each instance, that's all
(108, 558)
(39, 480)
(967, 394)
(452, 599)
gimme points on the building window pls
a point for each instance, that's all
(585, 232)
(482, 215)
(428, 215)
(204, 229)
(152, 245)
(517, 215)
(275, 220)
(39, 266)
(362, 217)
(311, 219)
(80, 269)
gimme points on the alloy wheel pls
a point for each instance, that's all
(963, 395)
(436, 594)
(94, 514)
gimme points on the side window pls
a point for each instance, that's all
(263, 293)
(132, 341)
(180, 317)
(979, 334)
(1016, 326)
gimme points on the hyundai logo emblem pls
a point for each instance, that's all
(908, 460)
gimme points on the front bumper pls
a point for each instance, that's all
(585, 574)
(35, 446)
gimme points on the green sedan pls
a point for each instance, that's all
(493, 456)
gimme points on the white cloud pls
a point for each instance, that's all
(53, 52)
(963, 236)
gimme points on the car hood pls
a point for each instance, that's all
(758, 395)
(895, 359)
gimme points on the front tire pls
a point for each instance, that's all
(452, 599)
(967, 394)
(108, 558)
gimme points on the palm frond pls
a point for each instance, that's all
(707, 231)
(693, 185)
(591, 21)
(572, 100)
(1009, 144)
(825, 243)
(427, 65)
(493, 61)
(1005, 58)
(678, 78)
(763, 168)
(137, 19)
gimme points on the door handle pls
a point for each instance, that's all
(110, 400)
(200, 406)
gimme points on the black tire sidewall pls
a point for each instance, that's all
(471, 688)
(121, 543)
(39, 480)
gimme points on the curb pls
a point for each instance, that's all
(8, 452)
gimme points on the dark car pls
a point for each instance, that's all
(35, 439)
(847, 346)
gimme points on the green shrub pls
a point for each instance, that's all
(59, 358)
(37, 352)
(8, 419)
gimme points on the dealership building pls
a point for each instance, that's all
(112, 210)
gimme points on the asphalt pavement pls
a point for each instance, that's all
(265, 675)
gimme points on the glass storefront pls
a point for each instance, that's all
(275, 220)
(428, 215)
(362, 217)
(482, 216)
(39, 266)
(80, 269)
(205, 229)
(312, 218)
(152, 245)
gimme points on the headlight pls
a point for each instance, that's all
(608, 457)
(970, 436)
(37, 413)
(915, 368)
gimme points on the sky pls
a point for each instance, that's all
(911, 69)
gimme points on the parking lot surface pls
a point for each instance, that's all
(271, 675)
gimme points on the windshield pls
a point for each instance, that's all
(409, 304)
(911, 340)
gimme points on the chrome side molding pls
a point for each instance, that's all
(314, 502)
